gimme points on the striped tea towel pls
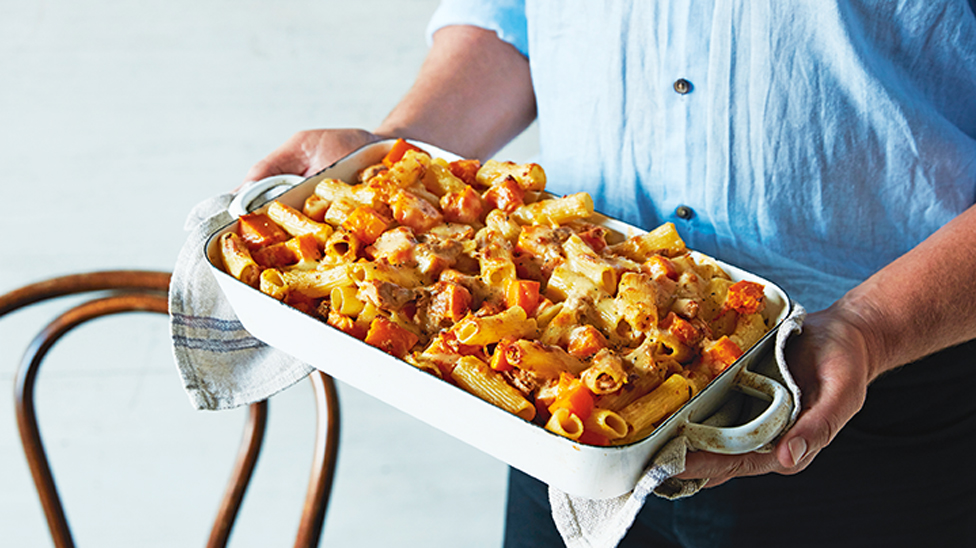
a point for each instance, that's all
(585, 523)
(221, 364)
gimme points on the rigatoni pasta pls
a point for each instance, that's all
(473, 274)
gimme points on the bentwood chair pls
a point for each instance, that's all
(115, 292)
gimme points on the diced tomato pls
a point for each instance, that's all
(721, 354)
(413, 211)
(275, 256)
(585, 341)
(466, 170)
(346, 324)
(681, 328)
(399, 148)
(258, 230)
(595, 237)
(305, 246)
(498, 360)
(506, 195)
(366, 224)
(389, 337)
(573, 395)
(523, 293)
(466, 206)
(658, 266)
(450, 301)
(746, 297)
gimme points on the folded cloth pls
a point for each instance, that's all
(221, 364)
(586, 523)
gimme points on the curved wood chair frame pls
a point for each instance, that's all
(129, 291)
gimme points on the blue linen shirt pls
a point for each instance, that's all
(819, 140)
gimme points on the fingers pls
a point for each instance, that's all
(721, 468)
(828, 362)
(827, 410)
(791, 455)
(834, 387)
(834, 404)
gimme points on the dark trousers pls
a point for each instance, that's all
(901, 473)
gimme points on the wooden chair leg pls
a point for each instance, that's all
(24, 397)
(128, 291)
(247, 459)
(323, 463)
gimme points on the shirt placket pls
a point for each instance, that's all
(683, 91)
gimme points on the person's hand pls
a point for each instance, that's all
(829, 361)
(308, 152)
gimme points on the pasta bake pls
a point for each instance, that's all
(472, 273)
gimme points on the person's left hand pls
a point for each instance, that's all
(829, 361)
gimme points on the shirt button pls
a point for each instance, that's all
(684, 212)
(682, 86)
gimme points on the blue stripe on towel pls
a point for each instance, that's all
(206, 322)
(218, 345)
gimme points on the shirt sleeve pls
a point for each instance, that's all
(505, 17)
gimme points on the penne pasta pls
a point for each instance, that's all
(317, 283)
(556, 211)
(495, 260)
(341, 248)
(581, 258)
(273, 284)
(475, 275)
(297, 224)
(546, 362)
(637, 301)
(334, 190)
(565, 282)
(606, 423)
(657, 405)
(606, 373)
(566, 424)
(440, 181)
(509, 324)
(663, 239)
(476, 377)
(528, 176)
(500, 222)
(345, 301)
(237, 259)
(409, 169)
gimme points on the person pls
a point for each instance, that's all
(828, 146)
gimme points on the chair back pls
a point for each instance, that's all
(118, 291)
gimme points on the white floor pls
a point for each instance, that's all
(115, 119)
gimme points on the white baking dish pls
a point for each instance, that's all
(581, 470)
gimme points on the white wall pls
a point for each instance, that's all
(115, 119)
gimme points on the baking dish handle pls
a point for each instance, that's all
(267, 188)
(754, 434)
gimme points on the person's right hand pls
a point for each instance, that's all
(308, 152)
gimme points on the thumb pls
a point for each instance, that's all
(825, 414)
